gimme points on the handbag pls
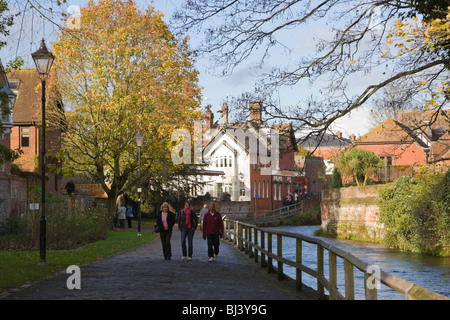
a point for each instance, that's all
(155, 229)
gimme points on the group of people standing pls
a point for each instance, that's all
(211, 225)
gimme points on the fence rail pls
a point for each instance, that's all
(245, 237)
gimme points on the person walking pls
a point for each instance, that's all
(212, 230)
(187, 223)
(121, 215)
(165, 221)
(202, 213)
(129, 215)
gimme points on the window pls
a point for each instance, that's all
(24, 137)
(262, 194)
(14, 84)
(274, 192)
(259, 189)
(242, 187)
(279, 191)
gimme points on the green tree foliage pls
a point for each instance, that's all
(415, 213)
(360, 164)
(336, 179)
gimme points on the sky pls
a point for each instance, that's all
(216, 89)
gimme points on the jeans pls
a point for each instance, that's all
(213, 244)
(189, 233)
(165, 236)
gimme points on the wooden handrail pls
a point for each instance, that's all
(245, 236)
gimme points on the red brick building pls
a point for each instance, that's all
(27, 125)
(13, 188)
(415, 138)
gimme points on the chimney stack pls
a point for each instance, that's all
(255, 112)
(339, 135)
(209, 118)
(224, 113)
(352, 137)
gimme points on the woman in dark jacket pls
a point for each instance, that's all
(165, 221)
(187, 224)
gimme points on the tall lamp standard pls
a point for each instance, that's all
(43, 60)
(139, 141)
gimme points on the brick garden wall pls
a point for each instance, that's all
(351, 213)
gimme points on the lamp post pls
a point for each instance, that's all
(139, 141)
(43, 60)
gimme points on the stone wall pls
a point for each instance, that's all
(351, 213)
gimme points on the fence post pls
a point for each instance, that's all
(320, 288)
(370, 289)
(246, 239)
(263, 246)
(250, 240)
(298, 276)
(236, 233)
(280, 254)
(241, 237)
(225, 228)
(349, 280)
(269, 249)
(255, 240)
(332, 263)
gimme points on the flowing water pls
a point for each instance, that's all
(432, 273)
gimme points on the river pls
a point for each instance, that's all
(430, 272)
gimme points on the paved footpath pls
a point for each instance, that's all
(143, 274)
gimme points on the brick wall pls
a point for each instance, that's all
(351, 213)
(13, 196)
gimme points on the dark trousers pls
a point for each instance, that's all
(213, 244)
(165, 236)
(129, 222)
(189, 234)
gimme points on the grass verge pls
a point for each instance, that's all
(21, 267)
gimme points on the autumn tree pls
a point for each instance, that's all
(120, 71)
(348, 54)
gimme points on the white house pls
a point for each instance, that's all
(244, 160)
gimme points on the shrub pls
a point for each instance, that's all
(66, 227)
(413, 213)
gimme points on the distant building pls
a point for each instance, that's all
(415, 138)
(316, 159)
(238, 170)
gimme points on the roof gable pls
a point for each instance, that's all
(390, 131)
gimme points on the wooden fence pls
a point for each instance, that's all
(266, 215)
(252, 240)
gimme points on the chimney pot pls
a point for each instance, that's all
(255, 112)
(209, 118)
(224, 113)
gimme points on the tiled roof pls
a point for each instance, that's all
(28, 102)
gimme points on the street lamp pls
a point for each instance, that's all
(139, 141)
(44, 61)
